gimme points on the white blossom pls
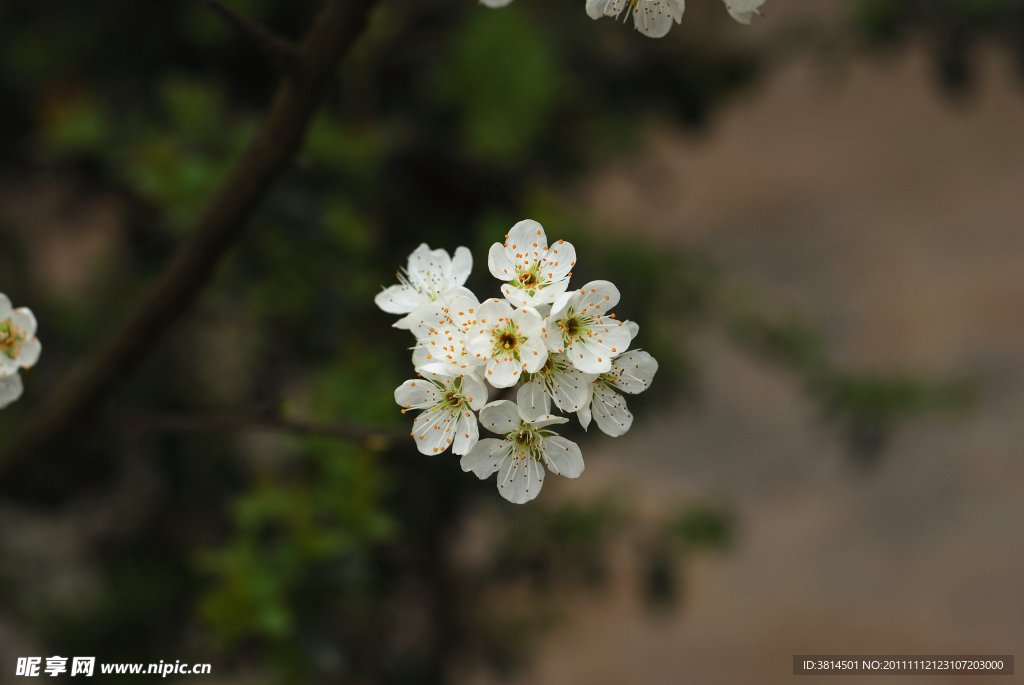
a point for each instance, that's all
(495, 3)
(442, 329)
(509, 341)
(10, 389)
(448, 418)
(631, 373)
(19, 347)
(534, 274)
(743, 11)
(557, 381)
(528, 446)
(652, 18)
(429, 275)
(581, 325)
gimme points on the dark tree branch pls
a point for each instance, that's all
(281, 52)
(227, 213)
(135, 422)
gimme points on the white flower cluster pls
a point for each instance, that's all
(19, 348)
(653, 18)
(564, 348)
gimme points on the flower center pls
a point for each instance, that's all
(508, 341)
(528, 279)
(10, 339)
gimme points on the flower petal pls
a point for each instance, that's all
(634, 371)
(434, 429)
(467, 432)
(501, 417)
(8, 366)
(517, 296)
(597, 298)
(653, 18)
(520, 479)
(10, 389)
(504, 371)
(418, 394)
(558, 261)
(570, 389)
(498, 263)
(533, 399)
(610, 411)
(562, 456)
(399, 299)
(547, 420)
(25, 320)
(474, 390)
(605, 8)
(486, 457)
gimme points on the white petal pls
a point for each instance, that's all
(8, 366)
(533, 354)
(29, 353)
(486, 457)
(570, 389)
(653, 18)
(634, 371)
(474, 390)
(604, 8)
(417, 394)
(504, 371)
(634, 328)
(520, 479)
(434, 430)
(421, 267)
(419, 357)
(528, 235)
(532, 397)
(467, 432)
(597, 298)
(562, 456)
(548, 420)
(25, 320)
(462, 265)
(562, 304)
(743, 11)
(517, 296)
(584, 416)
(558, 261)
(610, 411)
(551, 292)
(589, 358)
(501, 417)
(6, 309)
(399, 299)
(493, 4)
(528, 322)
(498, 263)
(10, 389)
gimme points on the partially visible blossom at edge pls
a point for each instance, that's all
(510, 341)
(429, 275)
(495, 3)
(448, 418)
(743, 11)
(631, 373)
(528, 446)
(19, 347)
(534, 274)
(652, 18)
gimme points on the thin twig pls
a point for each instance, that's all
(138, 422)
(280, 51)
(227, 213)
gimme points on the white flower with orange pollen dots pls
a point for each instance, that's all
(429, 275)
(534, 273)
(509, 341)
(564, 348)
(448, 418)
(632, 373)
(652, 18)
(520, 458)
(582, 325)
(19, 347)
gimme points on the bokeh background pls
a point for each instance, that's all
(816, 221)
